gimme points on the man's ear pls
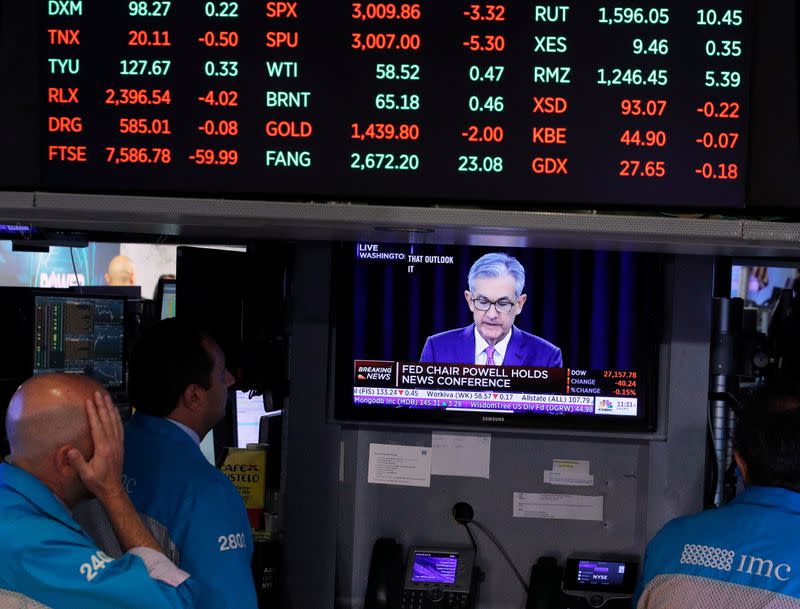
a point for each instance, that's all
(192, 397)
(61, 462)
(468, 298)
(742, 465)
(521, 302)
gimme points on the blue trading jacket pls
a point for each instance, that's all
(169, 480)
(745, 555)
(46, 556)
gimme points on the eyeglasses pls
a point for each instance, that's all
(501, 306)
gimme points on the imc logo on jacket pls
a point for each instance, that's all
(724, 560)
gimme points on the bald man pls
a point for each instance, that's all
(120, 271)
(66, 443)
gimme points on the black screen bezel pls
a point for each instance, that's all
(345, 411)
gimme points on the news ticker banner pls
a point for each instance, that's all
(496, 388)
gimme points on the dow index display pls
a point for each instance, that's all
(490, 100)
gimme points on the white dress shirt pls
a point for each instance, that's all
(190, 432)
(499, 349)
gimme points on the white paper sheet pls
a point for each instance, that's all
(566, 507)
(569, 472)
(461, 454)
(399, 465)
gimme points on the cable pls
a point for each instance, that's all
(712, 489)
(75, 270)
(464, 514)
(503, 552)
(472, 538)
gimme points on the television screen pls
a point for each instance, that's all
(497, 336)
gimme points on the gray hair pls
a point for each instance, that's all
(494, 265)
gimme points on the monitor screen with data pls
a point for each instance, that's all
(553, 103)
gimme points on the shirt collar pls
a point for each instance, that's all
(189, 431)
(771, 496)
(499, 349)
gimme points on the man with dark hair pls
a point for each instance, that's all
(745, 555)
(178, 384)
(66, 442)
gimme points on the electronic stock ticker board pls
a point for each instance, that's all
(587, 102)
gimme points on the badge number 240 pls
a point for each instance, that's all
(232, 542)
(99, 560)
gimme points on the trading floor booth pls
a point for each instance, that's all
(638, 162)
(545, 475)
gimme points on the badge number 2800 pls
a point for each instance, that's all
(233, 541)
(98, 561)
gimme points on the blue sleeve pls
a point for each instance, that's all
(556, 360)
(72, 573)
(218, 548)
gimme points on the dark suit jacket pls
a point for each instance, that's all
(458, 347)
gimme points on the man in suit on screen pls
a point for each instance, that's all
(495, 297)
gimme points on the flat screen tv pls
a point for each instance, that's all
(497, 337)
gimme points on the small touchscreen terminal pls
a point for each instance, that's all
(600, 573)
(439, 578)
(600, 580)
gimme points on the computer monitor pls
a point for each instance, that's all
(168, 290)
(79, 335)
(249, 411)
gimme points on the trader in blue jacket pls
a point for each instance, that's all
(178, 384)
(66, 443)
(745, 555)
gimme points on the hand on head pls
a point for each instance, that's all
(102, 473)
(64, 430)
